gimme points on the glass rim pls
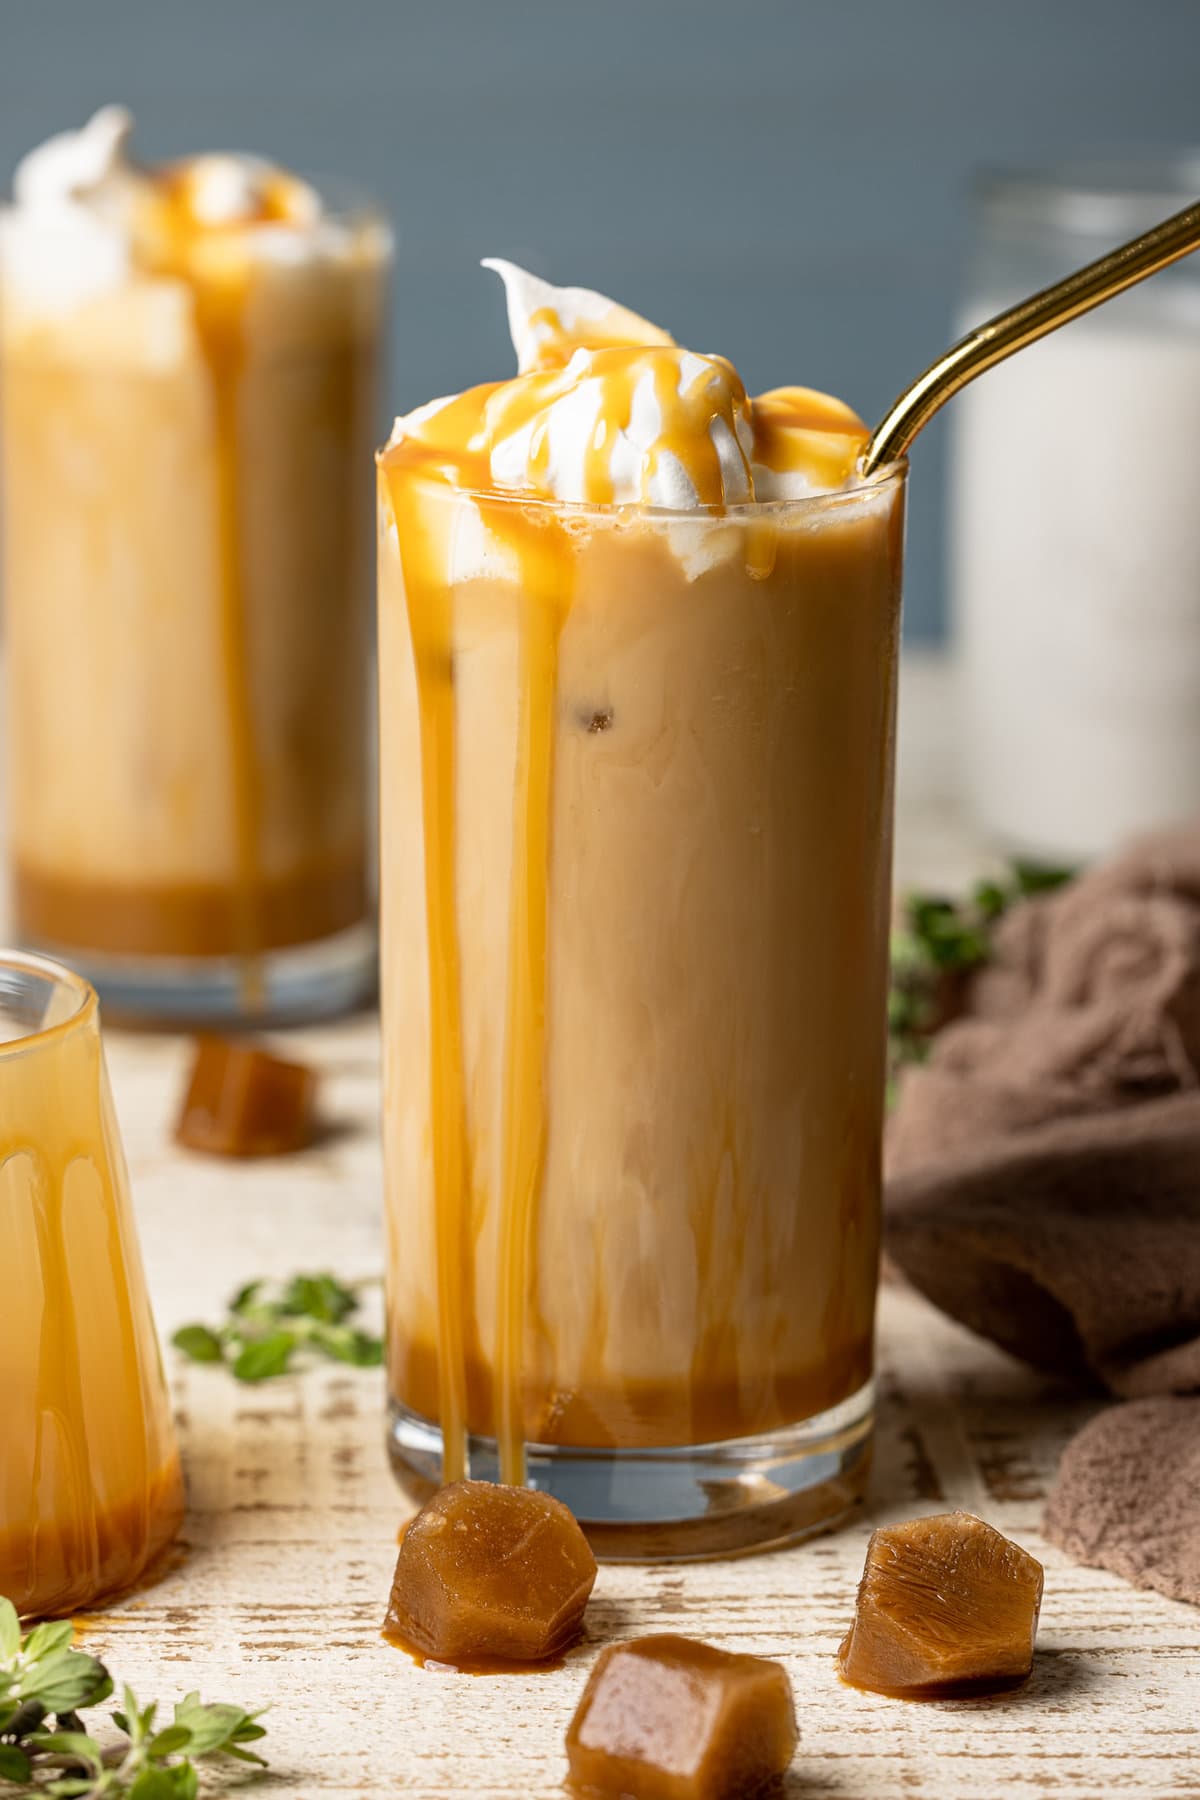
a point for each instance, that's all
(891, 475)
(86, 1009)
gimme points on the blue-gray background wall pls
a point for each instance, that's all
(785, 183)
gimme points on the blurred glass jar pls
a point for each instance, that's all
(189, 362)
(1075, 565)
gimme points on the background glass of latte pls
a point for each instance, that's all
(189, 358)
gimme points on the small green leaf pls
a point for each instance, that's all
(317, 1297)
(219, 1728)
(14, 1764)
(169, 1741)
(103, 1691)
(46, 1640)
(70, 1743)
(250, 1732)
(76, 1744)
(346, 1345)
(187, 1781)
(154, 1784)
(1039, 878)
(66, 1681)
(246, 1296)
(135, 1721)
(263, 1357)
(210, 1726)
(10, 1630)
(246, 1756)
(200, 1343)
(72, 1785)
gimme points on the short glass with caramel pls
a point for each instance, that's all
(638, 639)
(91, 1493)
(188, 387)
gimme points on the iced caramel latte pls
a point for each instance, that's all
(637, 664)
(188, 357)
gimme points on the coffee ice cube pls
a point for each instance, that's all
(489, 1574)
(947, 1605)
(668, 1718)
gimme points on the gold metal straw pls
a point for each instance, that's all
(1024, 324)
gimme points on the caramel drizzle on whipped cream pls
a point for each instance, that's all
(610, 411)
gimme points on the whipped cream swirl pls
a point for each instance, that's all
(607, 409)
(86, 218)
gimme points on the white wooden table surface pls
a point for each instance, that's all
(292, 1529)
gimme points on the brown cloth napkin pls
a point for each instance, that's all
(1126, 1495)
(1044, 1175)
(1091, 1001)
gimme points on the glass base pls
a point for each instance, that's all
(294, 986)
(683, 1504)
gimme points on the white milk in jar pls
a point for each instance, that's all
(1075, 529)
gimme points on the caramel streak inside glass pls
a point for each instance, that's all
(546, 574)
(220, 327)
(430, 615)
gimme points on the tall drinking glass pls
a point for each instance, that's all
(187, 583)
(90, 1485)
(635, 856)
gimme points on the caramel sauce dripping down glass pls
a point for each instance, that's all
(635, 853)
(91, 1492)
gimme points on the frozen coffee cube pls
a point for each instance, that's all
(946, 1606)
(667, 1718)
(241, 1101)
(490, 1574)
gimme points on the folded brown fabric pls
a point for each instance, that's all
(1075, 1246)
(1044, 1164)
(1044, 1189)
(1091, 1002)
(1125, 1498)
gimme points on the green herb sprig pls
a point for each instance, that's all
(939, 945)
(266, 1327)
(44, 1748)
